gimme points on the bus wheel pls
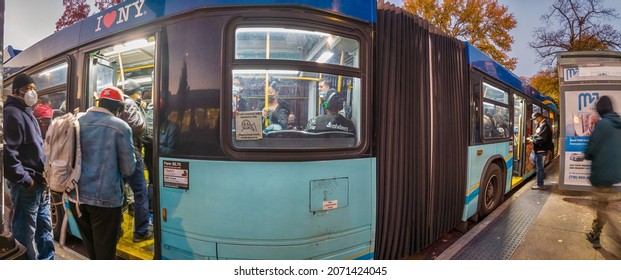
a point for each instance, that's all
(490, 191)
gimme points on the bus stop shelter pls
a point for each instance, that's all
(584, 77)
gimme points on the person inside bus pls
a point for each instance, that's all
(332, 120)
(239, 103)
(276, 111)
(44, 113)
(134, 117)
(325, 89)
(542, 144)
(107, 156)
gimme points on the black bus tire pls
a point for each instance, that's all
(491, 190)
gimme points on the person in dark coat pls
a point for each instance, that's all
(332, 120)
(276, 111)
(23, 168)
(604, 151)
(542, 145)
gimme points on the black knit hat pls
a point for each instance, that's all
(131, 86)
(22, 80)
(604, 105)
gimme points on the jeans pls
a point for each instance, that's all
(138, 184)
(539, 162)
(32, 221)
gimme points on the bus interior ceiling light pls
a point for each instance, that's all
(325, 56)
(129, 46)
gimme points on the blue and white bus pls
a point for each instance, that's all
(439, 126)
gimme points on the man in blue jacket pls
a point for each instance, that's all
(605, 154)
(23, 168)
(107, 156)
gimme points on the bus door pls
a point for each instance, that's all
(130, 61)
(519, 129)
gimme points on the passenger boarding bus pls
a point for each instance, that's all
(412, 133)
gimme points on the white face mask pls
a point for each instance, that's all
(236, 90)
(30, 98)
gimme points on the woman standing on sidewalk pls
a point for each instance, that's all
(605, 154)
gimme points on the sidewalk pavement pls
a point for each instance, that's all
(66, 253)
(558, 232)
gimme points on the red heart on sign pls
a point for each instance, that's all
(109, 18)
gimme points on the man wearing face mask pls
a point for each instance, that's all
(23, 168)
(239, 103)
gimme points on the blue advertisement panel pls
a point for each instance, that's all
(580, 119)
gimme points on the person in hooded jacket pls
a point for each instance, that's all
(23, 169)
(604, 151)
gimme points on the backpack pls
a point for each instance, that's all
(63, 156)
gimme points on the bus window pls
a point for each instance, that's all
(295, 44)
(294, 110)
(294, 107)
(496, 117)
(52, 89)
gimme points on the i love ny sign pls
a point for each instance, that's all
(120, 15)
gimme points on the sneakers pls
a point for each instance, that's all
(538, 188)
(594, 240)
(145, 237)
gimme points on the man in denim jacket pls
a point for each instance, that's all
(23, 168)
(107, 156)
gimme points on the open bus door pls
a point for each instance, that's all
(519, 143)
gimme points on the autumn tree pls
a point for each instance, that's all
(546, 82)
(104, 4)
(483, 23)
(76, 10)
(575, 25)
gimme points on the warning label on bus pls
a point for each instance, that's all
(176, 174)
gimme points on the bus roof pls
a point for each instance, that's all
(481, 61)
(133, 13)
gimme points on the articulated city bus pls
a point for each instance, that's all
(435, 132)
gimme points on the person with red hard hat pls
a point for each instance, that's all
(107, 157)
